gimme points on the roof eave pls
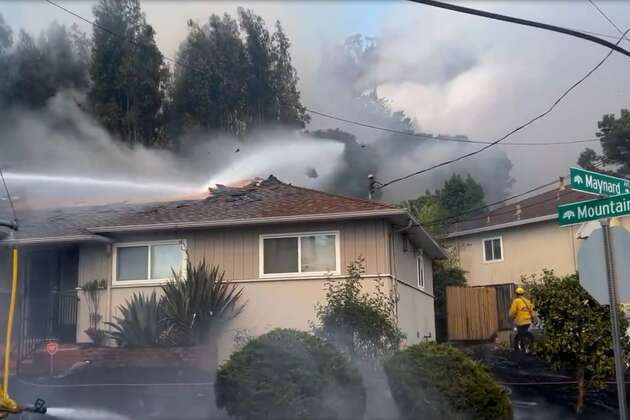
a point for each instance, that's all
(54, 240)
(515, 223)
(249, 221)
(426, 241)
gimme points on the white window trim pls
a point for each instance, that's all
(261, 255)
(127, 283)
(483, 249)
(420, 270)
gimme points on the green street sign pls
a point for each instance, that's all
(584, 211)
(596, 183)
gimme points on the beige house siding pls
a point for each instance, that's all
(416, 315)
(527, 249)
(237, 252)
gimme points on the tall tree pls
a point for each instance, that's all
(30, 80)
(290, 110)
(460, 195)
(262, 103)
(127, 71)
(614, 137)
(209, 91)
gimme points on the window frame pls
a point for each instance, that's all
(148, 244)
(299, 273)
(420, 270)
(483, 246)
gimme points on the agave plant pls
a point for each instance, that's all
(200, 302)
(140, 324)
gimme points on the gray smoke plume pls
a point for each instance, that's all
(350, 75)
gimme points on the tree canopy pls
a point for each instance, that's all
(614, 137)
(238, 77)
(458, 195)
(127, 72)
(37, 69)
(578, 334)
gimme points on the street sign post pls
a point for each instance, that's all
(596, 183)
(584, 211)
(617, 204)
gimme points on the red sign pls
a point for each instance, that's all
(52, 347)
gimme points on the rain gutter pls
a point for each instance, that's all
(249, 221)
(54, 240)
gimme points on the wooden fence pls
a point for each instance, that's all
(471, 313)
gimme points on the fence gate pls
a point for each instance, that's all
(471, 313)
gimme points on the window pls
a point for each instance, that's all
(301, 253)
(420, 269)
(493, 249)
(147, 262)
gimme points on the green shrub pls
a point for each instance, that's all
(139, 325)
(362, 325)
(289, 374)
(435, 381)
(198, 303)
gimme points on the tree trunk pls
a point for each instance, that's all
(581, 389)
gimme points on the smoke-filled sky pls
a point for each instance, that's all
(452, 73)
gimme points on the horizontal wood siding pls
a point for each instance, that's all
(235, 250)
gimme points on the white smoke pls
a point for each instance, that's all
(60, 156)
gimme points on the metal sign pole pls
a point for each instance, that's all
(614, 318)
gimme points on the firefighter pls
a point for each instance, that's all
(522, 314)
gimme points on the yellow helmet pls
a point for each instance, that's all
(519, 291)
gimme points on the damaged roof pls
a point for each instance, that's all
(262, 201)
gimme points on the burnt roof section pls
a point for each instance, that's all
(269, 198)
(531, 208)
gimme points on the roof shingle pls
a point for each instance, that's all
(262, 199)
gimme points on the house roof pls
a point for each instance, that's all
(259, 202)
(534, 209)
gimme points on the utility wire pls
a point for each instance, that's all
(614, 47)
(476, 209)
(525, 22)
(442, 138)
(499, 213)
(438, 221)
(179, 63)
(601, 12)
(519, 128)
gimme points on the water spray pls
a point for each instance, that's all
(8, 406)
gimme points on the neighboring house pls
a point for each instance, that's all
(519, 239)
(279, 242)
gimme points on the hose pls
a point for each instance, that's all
(4, 396)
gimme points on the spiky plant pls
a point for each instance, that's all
(140, 324)
(199, 302)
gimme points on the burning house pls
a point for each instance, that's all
(279, 242)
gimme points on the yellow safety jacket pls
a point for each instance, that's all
(521, 311)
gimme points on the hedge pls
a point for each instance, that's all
(289, 374)
(436, 381)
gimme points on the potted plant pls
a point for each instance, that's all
(93, 290)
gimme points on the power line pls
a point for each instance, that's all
(601, 12)
(475, 210)
(501, 213)
(442, 138)
(525, 22)
(614, 47)
(519, 128)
